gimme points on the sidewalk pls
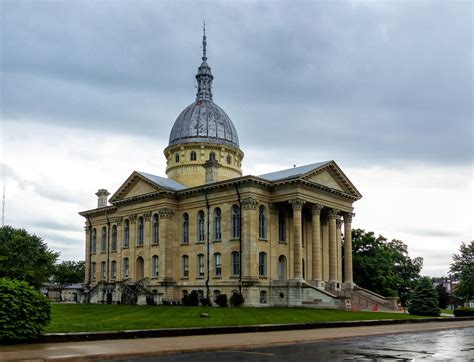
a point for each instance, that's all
(147, 347)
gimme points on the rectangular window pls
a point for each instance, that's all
(125, 268)
(155, 266)
(235, 263)
(201, 265)
(262, 264)
(281, 226)
(104, 270)
(185, 266)
(114, 269)
(217, 265)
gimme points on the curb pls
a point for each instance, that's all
(200, 331)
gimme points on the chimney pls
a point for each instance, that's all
(211, 167)
(102, 197)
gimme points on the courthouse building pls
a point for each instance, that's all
(281, 238)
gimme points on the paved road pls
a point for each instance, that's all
(454, 344)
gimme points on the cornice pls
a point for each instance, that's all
(98, 211)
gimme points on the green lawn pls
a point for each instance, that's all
(446, 311)
(96, 317)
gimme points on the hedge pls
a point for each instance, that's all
(463, 312)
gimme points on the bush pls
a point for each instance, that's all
(464, 312)
(221, 300)
(191, 300)
(206, 302)
(236, 300)
(424, 300)
(24, 311)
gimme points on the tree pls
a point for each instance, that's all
(66, 273)
(443, 296)
(462, 268)
(424, 299)
(382, 266)
(25, 257)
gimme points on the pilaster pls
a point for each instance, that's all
(249, 214)
(167, 237)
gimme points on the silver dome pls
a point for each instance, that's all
(204, 121)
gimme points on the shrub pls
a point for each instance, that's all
(221, 300)
(424, 300)
(191, 299)
(237, 299)
(464, 312)
(24, 311)
(206, 302)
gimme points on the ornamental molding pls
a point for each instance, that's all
(166, 213)
(132, 218)
(333, 213)
(147, 215)
(316, 209)
(249, 203)
(297, 203)
(118, 220)
(338, 224)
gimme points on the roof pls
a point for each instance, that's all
(163, 181)
(292, 172)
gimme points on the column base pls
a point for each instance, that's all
(318, 284)
(333, 285)
(348, 285)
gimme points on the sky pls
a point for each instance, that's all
(90, 91)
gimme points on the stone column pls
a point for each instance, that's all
(339, 249)
(249, 212)
(167, 238)
(87, 229)
(348, 278)
(317, 274)
(132, 247)
(332, 246)
(297, 205)
(146, 244)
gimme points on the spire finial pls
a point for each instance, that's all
(204, 42)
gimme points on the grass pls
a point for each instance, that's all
(446, 311)
(96, 317)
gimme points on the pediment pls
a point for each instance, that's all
(135, 185)
(330, 175)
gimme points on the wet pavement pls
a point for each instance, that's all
(454, 344)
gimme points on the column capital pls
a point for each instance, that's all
(249, 203)
(297, 203)
(273, 209)
(118, 220)
(339, 224)
(132, 218)
(316, 209)
(333, 213)
(166, 213)
(147, 215)
(348, 216)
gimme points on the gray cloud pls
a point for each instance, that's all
(369, 83)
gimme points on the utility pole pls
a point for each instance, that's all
(3, 207)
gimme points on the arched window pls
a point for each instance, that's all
(217, 292)
(94, 240)
(303, 269)
(193, 156)
(217, 265)
(103, 240)
(103, 269)
(185, 266)
(93, 270)
(156, 229)
(263, 297)
(229, 159)
(176, 157)
(114, 237)
(125, 268)
(114, 269)
(281, 225)
(185, 228)
(235, 222)
(126, 233)
(262, 222)
(140, 231)
(139, 268)
(200, 265)
(200, 218)
(262, 264)
(212, 156)
(235, 260)
(282, 267)
(217, 224)
(154, 271)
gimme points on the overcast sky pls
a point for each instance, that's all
(91, 89)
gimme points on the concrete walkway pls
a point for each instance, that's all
(147, 347)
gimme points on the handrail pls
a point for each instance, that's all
(359, 297)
